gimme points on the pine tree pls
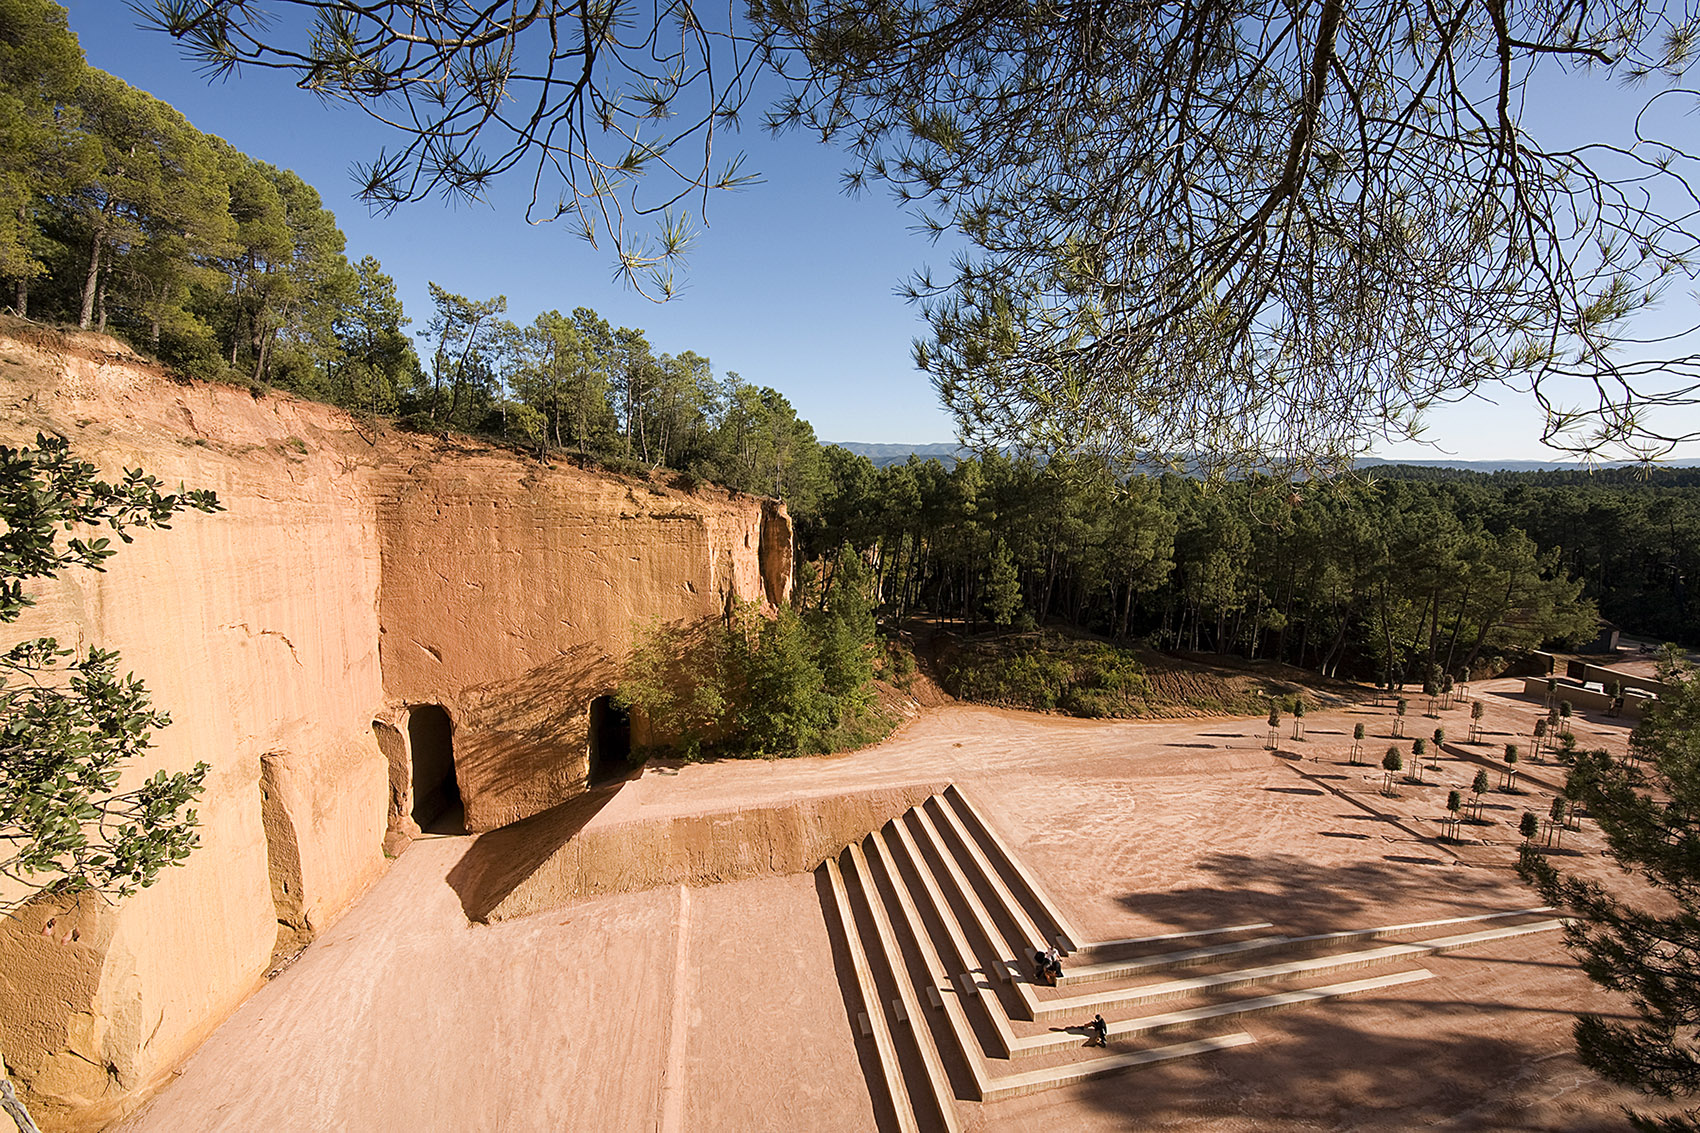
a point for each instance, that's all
(1649, 813)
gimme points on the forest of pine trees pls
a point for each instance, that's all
(119, 216)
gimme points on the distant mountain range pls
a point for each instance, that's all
(948, 454)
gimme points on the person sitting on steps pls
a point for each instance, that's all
(1098, 1031)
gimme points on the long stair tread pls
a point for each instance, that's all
(886, 1047)
(943, 1095)
(1147, 1024)
(1317, 965)
(1073, 938)
(1115, 969)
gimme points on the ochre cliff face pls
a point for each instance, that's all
(510, 591)
(296, 639)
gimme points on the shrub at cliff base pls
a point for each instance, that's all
(750, 685)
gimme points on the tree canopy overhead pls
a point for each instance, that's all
(1237, 232)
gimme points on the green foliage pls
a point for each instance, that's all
(1648, 810)
(1528, 826)
(1003, 587)
(791, 684)
(1048, 672)
(70, 724)
(1392, 761)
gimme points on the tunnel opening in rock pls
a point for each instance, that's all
(610, 740)
(436, 793)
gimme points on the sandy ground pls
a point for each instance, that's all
(722, 1008)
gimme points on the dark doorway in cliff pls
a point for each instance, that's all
(610, 741)
(436, 794)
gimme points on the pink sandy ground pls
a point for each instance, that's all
(642, 1011)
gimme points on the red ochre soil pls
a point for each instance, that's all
(719, 1008)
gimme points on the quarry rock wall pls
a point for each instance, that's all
(510, 591)
(355, 578)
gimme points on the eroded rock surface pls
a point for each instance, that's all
(356, 579)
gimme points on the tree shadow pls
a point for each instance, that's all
(1379, 1061)
(1488, 1056)
(1303, 896)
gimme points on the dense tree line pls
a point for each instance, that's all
(1385, 579)
(118, 215)
(577, 383)
(1630, 535)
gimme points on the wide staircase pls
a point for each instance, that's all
(940, 921)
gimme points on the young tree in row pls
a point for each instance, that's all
(1391, 764)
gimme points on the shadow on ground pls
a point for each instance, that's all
(499, 860)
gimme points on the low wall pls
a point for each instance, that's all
(560, 857)
(1633, 703)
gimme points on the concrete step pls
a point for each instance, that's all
(1192, 957)
(1067, 936)
(921, 823)
(939, 1092)
(1050, 1077)
(1030, 937)
(969, 981)
(873, 1008)
(1124, 1029)
(1074, 1006)
(1094, 948)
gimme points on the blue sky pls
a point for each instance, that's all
(791, 284)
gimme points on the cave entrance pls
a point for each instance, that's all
(610, 740)
(436, 794)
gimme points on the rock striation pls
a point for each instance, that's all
(380, 630)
